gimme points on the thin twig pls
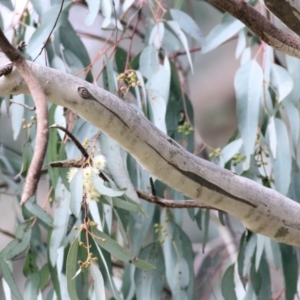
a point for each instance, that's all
(73, 138)
(32, 108)
(171, 203)
(7, 233)
(183, 52)
(60, 10)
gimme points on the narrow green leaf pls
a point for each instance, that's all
(103, 189)
(229, 27)
(150, 283)
(31, 290)
(105, 242)
(36, 210)
(76, 190)
(206, 228)
(4, 268)
(228, 285)
(187, 24)
(72, 42)
(282, 81)
(60, 222)
(17, 113)
(71, 269)
(282, 164)
(181, 36)
(44, 275)
(248, 86)
(99, 287)
(290, 270)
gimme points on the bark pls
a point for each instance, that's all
(287, 11)
(261, 210)
(261, 26)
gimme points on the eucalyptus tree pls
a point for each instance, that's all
(120, 145)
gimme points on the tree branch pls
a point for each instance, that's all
(261, 210)
(40, 101)
(261, 26)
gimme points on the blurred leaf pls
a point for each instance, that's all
(241, 45)
(60, 119)
(229, 151)
(294, 120)
(94, 7)
(282, 81)
(39, 7)
(229, 27)
(290, 270)
(51, 154)
(76, 189)
(5, 270)
(157, 90)
(179, 257)
(248, 87)
(260, 246)
(48, 20)
(17, 113)
(30, 266)
(27, 154)
(31, 290)
(187, 24)
(105, 242)
(148, 61)
(228, 285)
(293, 66)
(181, 36)
(150, 283)
(72, 263)
(61, 217)
(126, 5)
(282, 164)
(120, 59)
(20, 243)
(115, 165)
(99, 287)
(75, 64)
(157, 35)
(206, 228)
(36, 210)
(7, 3)
(44, 275)
(103, 189)
(73, 43)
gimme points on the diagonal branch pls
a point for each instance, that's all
(40, 101)
(260, 209)
(261, 26)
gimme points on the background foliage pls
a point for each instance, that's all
(124, 247)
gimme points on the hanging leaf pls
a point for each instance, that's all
(103, 189)
(282, 164)
(187, 24)
(76, 189)
(282, 81)
(248, 87)
(241, 45)
(228, 285)
(150, 283)
(229, 27)
(99, 288)
(290, 270)
(72, 263)
(148, 62)
(181, 36)
(105, 242)
(17, 113)
(157, 35)
(94, 7)
(60, 222)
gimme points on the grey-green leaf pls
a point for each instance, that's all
(228, 285)
(105, 242)
(149, 283)
(248, 86)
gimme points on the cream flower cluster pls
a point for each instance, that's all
(89, 189)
